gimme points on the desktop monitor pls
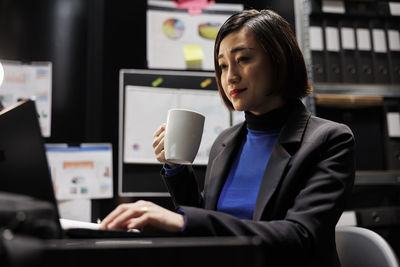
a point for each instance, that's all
(145, 97)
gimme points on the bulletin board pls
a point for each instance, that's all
(178, 39)
(145, 98)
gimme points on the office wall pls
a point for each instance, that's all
(88, 42)
(56, 31)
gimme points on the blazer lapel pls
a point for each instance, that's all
(289, 138)
(220, 167)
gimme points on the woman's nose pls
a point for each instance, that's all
(233, 75)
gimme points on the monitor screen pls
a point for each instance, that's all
(145, 98)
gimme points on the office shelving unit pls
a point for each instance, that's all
(360, 90)
(302, 14)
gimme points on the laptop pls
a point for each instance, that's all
(24, 168)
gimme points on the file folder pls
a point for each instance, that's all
(392, 134)
(332, 51)
(361, 8)
(333, 6)
(315, 7)
(394, 8)
(382, 8)
(393, 35)
(364, 52)
(348, 45)
(317, 47)
(380, 55)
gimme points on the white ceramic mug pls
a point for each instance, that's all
(183, 134)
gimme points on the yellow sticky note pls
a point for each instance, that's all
(205, 83)
(193, 55)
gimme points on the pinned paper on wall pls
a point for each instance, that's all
(173, 35)
(81, 172)
(31, 81)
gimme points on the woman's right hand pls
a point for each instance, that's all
(158, 146)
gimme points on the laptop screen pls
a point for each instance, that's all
(23, 162)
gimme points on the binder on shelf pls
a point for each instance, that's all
(332, 51)
(317, 47)
(394, 8)
(333, 6)
(392, 134)
(348, 51)
(382, 8)
(315, 7)
(364, 52)
(361, 8)
(380, 55)
(393, 35)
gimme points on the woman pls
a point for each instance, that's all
(282, 175)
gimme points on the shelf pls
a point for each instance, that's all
(341, 100)
(382, 90)
(378, 177)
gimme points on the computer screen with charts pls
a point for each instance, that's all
(145, 98)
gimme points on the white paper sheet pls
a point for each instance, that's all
(33, 81)
(68, 224)
(76, 209)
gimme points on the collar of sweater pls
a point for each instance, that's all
(273, 119)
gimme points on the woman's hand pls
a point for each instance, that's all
(143, 215)
(158, 146)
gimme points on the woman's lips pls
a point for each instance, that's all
(235, 92)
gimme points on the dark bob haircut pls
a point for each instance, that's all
(276, 37)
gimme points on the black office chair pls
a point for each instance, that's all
(361, 247)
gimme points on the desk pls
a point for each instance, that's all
(160, 251)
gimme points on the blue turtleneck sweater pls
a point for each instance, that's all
(239, 194)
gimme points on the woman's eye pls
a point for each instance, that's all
(222, 66)
(243, 59)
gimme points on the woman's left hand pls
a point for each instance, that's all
(143, 215)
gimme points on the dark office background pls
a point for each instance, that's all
(88, 42)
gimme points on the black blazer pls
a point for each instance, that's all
(309, 175)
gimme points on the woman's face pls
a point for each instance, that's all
(246, 75)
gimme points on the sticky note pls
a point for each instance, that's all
(193, 56)
(157, 82)
(205, 83)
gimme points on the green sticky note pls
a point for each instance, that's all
(157, 82)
